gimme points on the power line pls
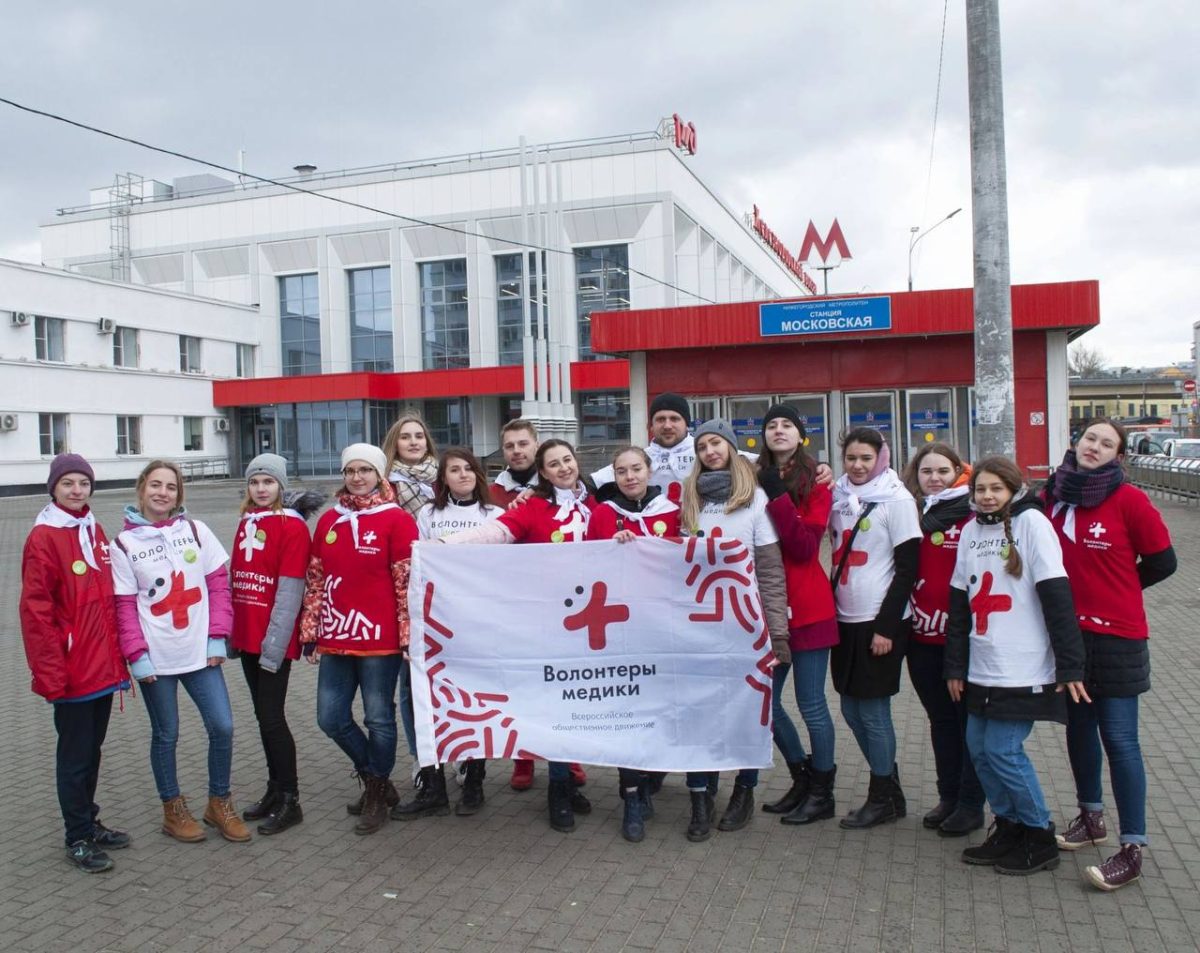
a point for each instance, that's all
(266, 180)
(937, 98)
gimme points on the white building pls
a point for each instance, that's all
(406, 290)
(120, 373)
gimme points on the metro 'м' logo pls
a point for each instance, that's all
(835, 239)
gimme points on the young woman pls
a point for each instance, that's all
(557, 512)
(939, 480)
(270, 548)
(355, 623)
(799, 510)
(70, 634)
(722, 493)
(1114, 546)
(875, 536)
(1012, 645)
(626, 509)
(174, 616)
(461, 502)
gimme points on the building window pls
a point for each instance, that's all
(604, 417)
(125, 347)
(1154, 410)
(1131, 410)
(300, 324)
(193, 433)
(601, 284)
(447, 421)
(371, 319)
(444, 336)
(48, 339)
(52, 434)
(510, 307)
(381, 414)
(245, 360)
(312, 436)
(129, 436)
(189, 354)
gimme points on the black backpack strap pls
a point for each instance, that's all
(837, 573)
(195, 532)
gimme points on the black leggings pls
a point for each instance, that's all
(269, 693)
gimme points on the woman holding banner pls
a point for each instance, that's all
(721, 497)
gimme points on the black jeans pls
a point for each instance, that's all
(956, 778)
(81, 729)
(268, 690)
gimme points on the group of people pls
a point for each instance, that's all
(1010, 607)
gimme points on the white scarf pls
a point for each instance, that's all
(950, 493)
(677, 460)
(569, 500)
(347, 515)
(885, 488)
(54, 515)
(251, 521)
(506, 481)
(656, 507)
(1068, 520)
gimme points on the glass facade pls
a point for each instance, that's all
(299, 325)
(445, 340)
(601, 284)
(509, 306)
(311, 436)
(448, 421)
(381, 414)
(603, 416)
(370, 319)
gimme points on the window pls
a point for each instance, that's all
(129, 436)
(371, 319)
(447, 421)
(193, 433)
(189, 354)
(245, 360)
(300, 324)
(48, 338)
(1131, 410)
(444, 335)
(52, 434)
(1154, 410)
(601, 284)
(510, 307)
(604, 417)
(125, 347)
(312, 436)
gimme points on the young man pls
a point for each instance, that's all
(672, 449)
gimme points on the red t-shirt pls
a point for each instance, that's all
(1101, 545)
(268, 544)
(534, 521)
(931, 594)
(359, 614)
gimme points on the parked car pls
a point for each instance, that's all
(1182, 447)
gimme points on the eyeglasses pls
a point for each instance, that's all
(357, 472)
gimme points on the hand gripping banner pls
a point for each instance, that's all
(651, 654)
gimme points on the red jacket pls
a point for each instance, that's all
(800, 530)
(68, 615)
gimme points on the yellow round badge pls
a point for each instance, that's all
(659, 527)
(331, 537)
(190, 555)
(557, 536)
(79, 567)
(261, 535)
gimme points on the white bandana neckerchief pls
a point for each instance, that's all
(678, 459)
(54, 515)
(1068, 520)
(950, 493)
(506, 481)
(656, 507)
(569, 500)
(885, 488)
(251, 521)
(350, 516)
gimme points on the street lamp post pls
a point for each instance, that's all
(915, 237)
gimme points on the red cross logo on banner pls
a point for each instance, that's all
(177, 601)
(596, 616)
(983, 604)
(857, 557)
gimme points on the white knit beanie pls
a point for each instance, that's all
(367, 453)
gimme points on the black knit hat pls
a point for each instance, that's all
(783, 410)
(669, 401)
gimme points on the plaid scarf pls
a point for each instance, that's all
(1084, 488)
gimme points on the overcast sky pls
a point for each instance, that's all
(809, 110)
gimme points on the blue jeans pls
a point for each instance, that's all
(373, 751)
(997, 747)
(870, 719)
(206, 686)
(406, 709)
(1109, 726)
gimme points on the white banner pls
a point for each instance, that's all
(651, 654)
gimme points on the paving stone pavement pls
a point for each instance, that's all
(502, 880)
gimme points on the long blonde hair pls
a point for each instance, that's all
(392, 437)
(743, 483)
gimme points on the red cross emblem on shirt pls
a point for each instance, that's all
(177, 602)
(984, 603)
(857, 557)
(596, 617)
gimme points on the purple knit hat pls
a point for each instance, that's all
(66, 463)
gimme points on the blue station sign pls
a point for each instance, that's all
(833, 316)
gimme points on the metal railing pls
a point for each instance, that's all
(205, 468)
(1172, 477)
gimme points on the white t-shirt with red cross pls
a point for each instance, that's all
(869, 568)
(165, 566)
(1009, 643)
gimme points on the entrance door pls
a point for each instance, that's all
(264, 439)
(746, 415)
(814, 413)
(878, 410)
(930, 418)
(704, 408)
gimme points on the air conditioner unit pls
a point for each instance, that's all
(8, 421)
(106, 326)
(221, 425)
(21, 319)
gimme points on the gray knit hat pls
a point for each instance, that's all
(269, 464)
(718, 426)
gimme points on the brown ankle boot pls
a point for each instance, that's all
(179, 823)
(222, 815)
(375, 809)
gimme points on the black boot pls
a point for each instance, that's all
(1002, 838)
(819, 804)
(801, 779)
(644, 795)
(264, 805)
(880, 806)
(430, 798)
(898, 800)
(702, 810)
(739, 810)
(1036, 849)
(562, 817)
(961, 822)
(933, 820)
(472, 789)
(633, 824)
(287, 814)
(579, 802)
